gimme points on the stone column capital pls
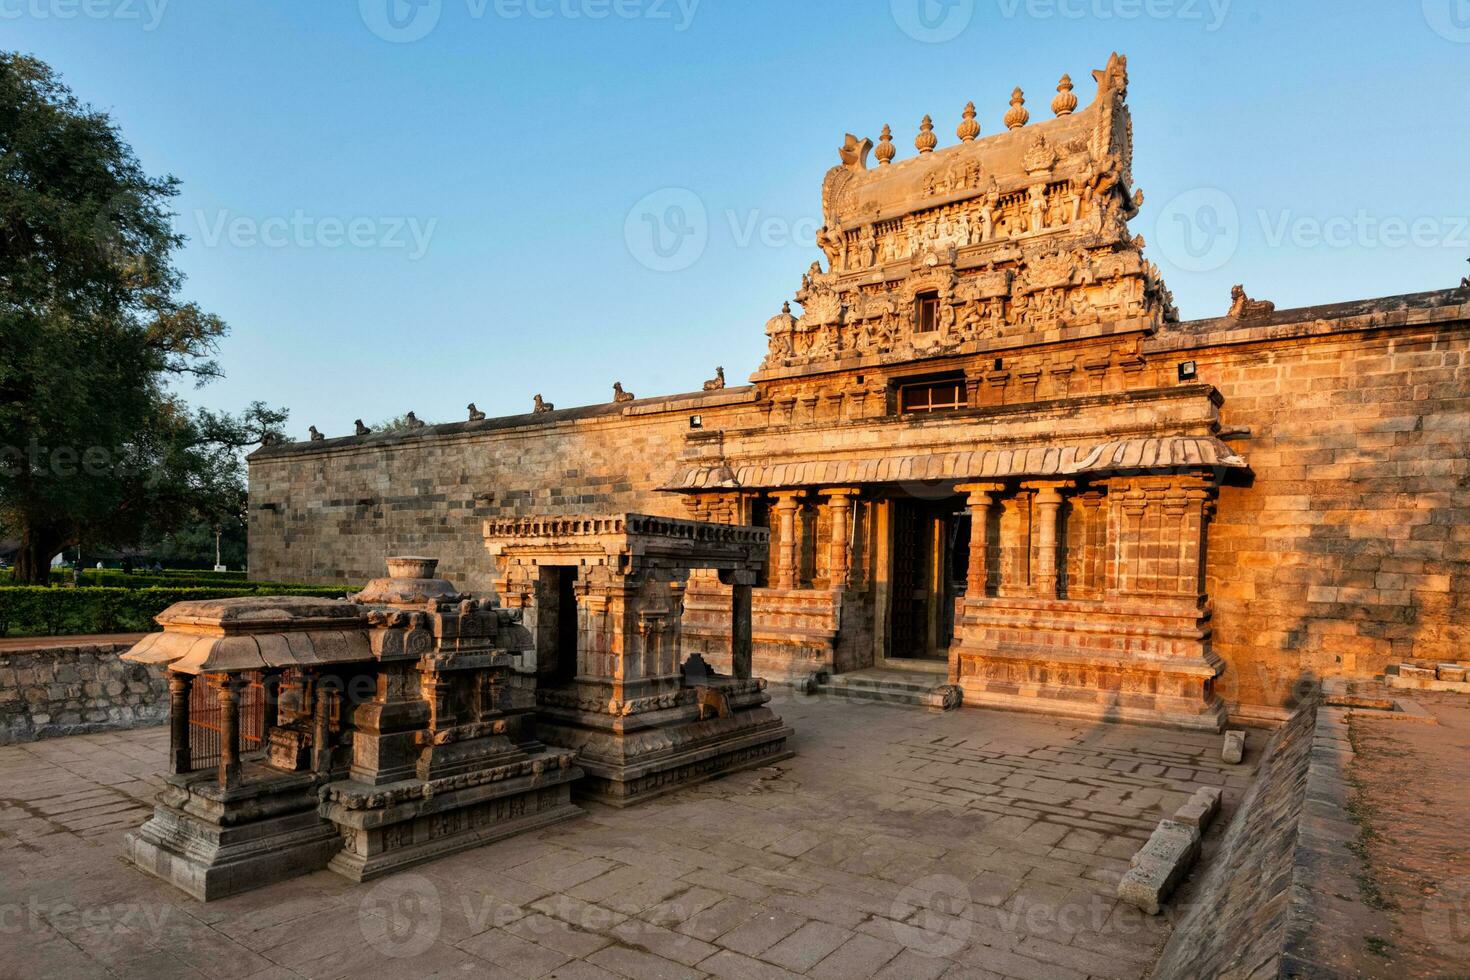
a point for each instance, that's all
(974, 490)
(840, 496)
(788, 499)
(1048, 492)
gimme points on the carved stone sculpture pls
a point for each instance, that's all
(542, 406)
(475, 414)
(361, 429)
(412, 421)
(716, 383)
(1242, 307)
(619, 395)
(315, 435)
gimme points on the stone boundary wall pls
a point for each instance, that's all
(329, 513)
(51, 691)
(1278, 897)
(1350, 547)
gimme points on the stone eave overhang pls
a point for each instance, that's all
(1172, 428)
(1114, 457)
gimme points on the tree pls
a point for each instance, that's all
(93, 445)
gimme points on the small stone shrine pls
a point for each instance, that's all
(365, 736)
(602, 600)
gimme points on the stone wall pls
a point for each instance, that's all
(1350, 547)
(1279, 897)
(51, 690)
(331, 512)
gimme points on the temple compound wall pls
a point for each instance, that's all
(987, 448)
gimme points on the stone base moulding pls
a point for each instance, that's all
(634, 758)
(381, 834)
(274, 834)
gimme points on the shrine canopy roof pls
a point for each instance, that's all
(628, 539)
(223, 636)
(1117, 456)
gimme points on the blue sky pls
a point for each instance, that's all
(412, 204)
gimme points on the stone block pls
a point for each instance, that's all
(1159, 866)
(1200, 808)
(1411, 672)
(1234, 748)
(1455, 673)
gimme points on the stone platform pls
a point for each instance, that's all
(897, 843)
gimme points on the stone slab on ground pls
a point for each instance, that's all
(897, 843)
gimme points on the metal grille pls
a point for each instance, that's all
(206, 720)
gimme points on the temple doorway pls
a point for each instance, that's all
(557, 625)
(930, 554)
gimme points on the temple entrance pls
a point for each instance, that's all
(557, 624)
(930, 556)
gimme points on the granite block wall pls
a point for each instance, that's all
(52, 690)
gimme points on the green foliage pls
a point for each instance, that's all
(113, 578)
(95, 447)
(38, 610)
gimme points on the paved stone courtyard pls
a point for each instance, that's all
(897, 843)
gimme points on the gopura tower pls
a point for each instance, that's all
(977, 333)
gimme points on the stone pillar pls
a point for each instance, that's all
(979, 497)
(1048, 502)
(840, 558)
(230, 686)
(321, 734)
(787, 504)
(740, 630)
(179, 688)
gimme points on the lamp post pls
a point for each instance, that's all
(218, 565)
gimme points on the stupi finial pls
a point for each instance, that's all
(1066, 101)
(1018, 115)
(926, 141)
(886, 150)
(969, 128)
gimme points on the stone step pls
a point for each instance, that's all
(895, 687)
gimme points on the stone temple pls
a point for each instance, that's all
(994, 464)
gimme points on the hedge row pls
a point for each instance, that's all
(115, 579)
(40, 611)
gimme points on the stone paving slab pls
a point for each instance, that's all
(897, 843)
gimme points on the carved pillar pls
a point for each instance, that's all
(321, 749)
(980, 498)
(788, 502)
(1048, 505)
(230, 686)
(840, 561)
(179, 687)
